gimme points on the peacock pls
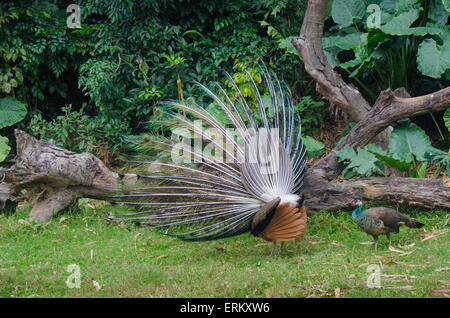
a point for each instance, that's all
(378, 221)
(235, 168)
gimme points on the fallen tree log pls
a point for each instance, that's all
(419, 192)
(54, 178)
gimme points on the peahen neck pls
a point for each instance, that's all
(358, 212)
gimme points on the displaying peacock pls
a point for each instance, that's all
(241, 169)
(381, 221)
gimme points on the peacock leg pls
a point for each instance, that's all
(281, 248)
(375, 238)
(273, 248)
(388, 235)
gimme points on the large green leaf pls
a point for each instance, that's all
(331, 58)
(391, 162)
(11, 111)
(389, 5)
(447, 118)
(446, 4)
(397, 25)
(433, 59)
(344, 12)
(350, 40)
(401, 25)
(409, 140)
(361, 162)
(4, 148)
(314, 147)
(437, 12)
(406, 5)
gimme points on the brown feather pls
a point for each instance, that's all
(287, 224)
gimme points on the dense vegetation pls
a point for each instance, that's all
(94, 87)
(89, 88)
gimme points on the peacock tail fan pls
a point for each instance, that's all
(225, 163)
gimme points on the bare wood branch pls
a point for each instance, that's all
(329, 83)
(389, 108)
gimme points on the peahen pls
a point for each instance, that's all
(250, 181)
(378, 221)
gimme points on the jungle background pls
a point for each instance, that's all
(98, 89)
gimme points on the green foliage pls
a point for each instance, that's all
(215, 110)
(314, 147)
(408, 47)
(446, 4)
(447, 118)
(12, 50)
(433, 59)
(11, 111)
(4, 148)
(391, 162)
(361, 162)
(441, 156)
(78, 132)
(409, 141)
(312, 113)
(95, 79)
(280, 21)
(410, 150)
(346, 12)
(121, 61)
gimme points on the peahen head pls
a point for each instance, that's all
(359, 210)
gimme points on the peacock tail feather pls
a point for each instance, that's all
(227, 171)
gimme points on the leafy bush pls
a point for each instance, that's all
(410, 150)
(79, 132)
(129, 55)
(409, 47)
(11, 112)
(312, 113)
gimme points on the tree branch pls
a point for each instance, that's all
(389, 108)
(329, 83)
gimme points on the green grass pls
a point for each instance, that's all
(131, 261)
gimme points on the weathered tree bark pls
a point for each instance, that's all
(329, 83)
(54, 177)
(427, 193)
(5, 194)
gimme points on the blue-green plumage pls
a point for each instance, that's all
(368, 223)
(379, 221)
